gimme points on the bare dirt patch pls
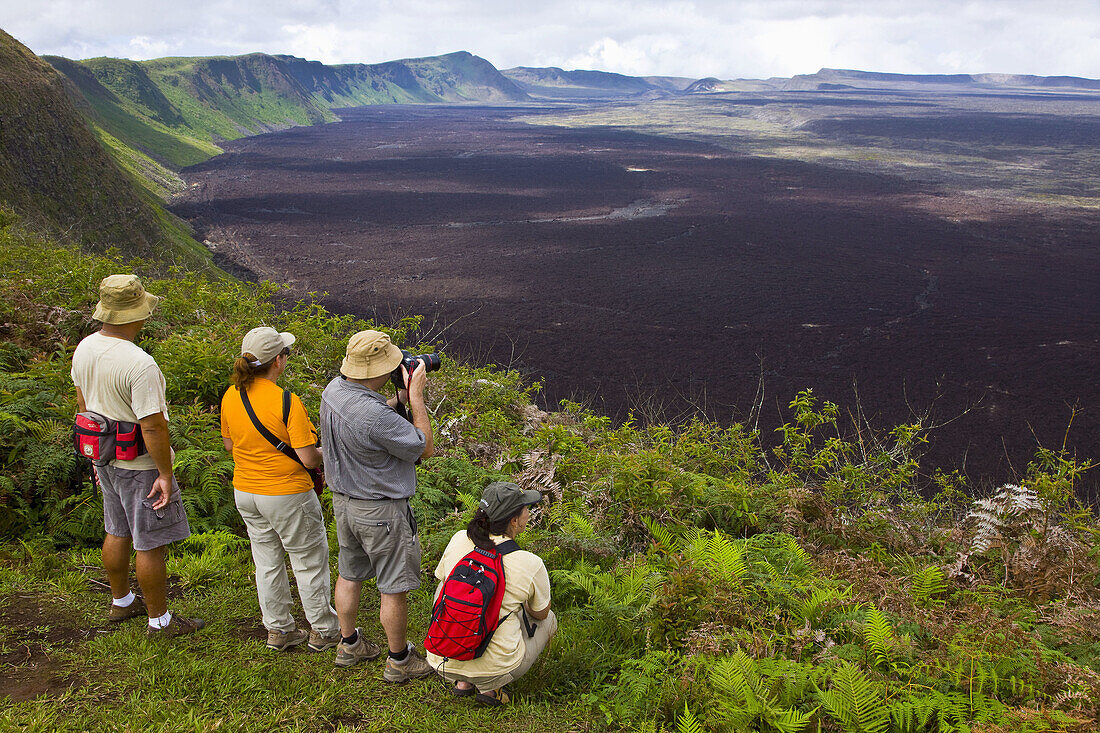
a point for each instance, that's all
(29, 666)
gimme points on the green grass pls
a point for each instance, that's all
(217, 680)
(177, 148)
(213, 101)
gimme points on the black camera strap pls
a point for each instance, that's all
(398, 385)
(280, 446)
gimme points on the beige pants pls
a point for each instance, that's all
(532, 648)
(290, 525)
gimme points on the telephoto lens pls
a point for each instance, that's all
(431, 362)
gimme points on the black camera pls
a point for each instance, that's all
(411, 361)
(431, 362)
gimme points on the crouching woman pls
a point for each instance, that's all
(527, 623)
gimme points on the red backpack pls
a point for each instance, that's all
(467, 611)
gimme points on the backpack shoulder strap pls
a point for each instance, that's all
(280, 446)
(507, 546)
(286, 406)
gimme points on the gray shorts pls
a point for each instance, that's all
(128, 513)
(378, 539)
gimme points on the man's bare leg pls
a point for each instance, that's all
(393, 612)
(152, 576)
(116, 561)
(348, 593)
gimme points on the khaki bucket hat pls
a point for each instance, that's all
(370, 354)
(122, 299)
(265, 343)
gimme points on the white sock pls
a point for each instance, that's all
(125, 601)
(161, 622)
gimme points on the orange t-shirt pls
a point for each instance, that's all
(260, 468)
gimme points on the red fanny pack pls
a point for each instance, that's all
(102, 440)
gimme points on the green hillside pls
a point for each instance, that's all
(58, 176)
(175, 111)
(128, 106)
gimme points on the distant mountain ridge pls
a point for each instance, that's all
(553, 82)
(826, 79)
(176, 110)
(992, 80)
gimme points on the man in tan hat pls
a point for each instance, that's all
(370, 454)
(141, 499)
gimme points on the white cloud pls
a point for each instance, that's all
(144, 47)
(745, 38)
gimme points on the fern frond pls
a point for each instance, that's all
(580, 525)
(686, 722)
(813, 609)
(926, 584)
(879, 636)
(662, 536)
(737, 678)
(791, 721)
(696, 545)
(799, 562)
(913, 715)
(724, 558)
(469, 501)
(854, 702)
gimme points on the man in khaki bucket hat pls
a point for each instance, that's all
(122, 300)
(142, 508)
(370, 454)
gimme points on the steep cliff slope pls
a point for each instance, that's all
(57, 176)
(176, 110)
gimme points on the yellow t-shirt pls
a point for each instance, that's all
(260, 468)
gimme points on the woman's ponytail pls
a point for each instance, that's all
(245, 370)
(480, 527)
(478, 530)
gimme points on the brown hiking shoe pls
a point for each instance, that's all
(348, 655)
(178, 626)
(412, 667)
(319, 643)
(122, 613)
(280, 641)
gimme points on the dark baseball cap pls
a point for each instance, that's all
(502, 499)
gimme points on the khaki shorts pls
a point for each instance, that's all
(127, 512)
(378, 539)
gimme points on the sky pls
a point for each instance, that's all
(724, 38)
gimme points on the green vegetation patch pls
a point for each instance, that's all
(702, 582)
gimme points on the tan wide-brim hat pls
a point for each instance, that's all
(265, 343)
(370, 354)
(122, 300)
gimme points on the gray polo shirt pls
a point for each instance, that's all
(370, 451)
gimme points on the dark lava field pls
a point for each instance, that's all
(672, 277)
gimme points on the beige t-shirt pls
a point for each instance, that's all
(119, 381)
(525, 581)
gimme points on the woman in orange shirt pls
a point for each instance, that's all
(274, 493)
